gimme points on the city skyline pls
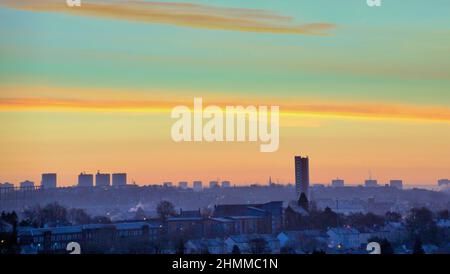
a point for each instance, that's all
(86, 179)
(361, 90)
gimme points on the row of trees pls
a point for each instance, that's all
(8, 239)
(54, 214)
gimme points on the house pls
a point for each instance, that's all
(294, 215)
(206, 246)
(396, 231)
(443, 223)
(5, 227)
(92, 237)
(221, 227)
(301, 241)
(253, 244)
(271, 214)
(188, 227)
(430, 249)
(343, 238)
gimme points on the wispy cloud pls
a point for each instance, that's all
(179, 14)
(325, 109)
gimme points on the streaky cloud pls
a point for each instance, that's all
(179, 14)
(353, 110)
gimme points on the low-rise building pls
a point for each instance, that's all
(206, 246)
(253, 244)
(343, 238)
(26, 185)
(104, 238)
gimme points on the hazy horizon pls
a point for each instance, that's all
(360, 89)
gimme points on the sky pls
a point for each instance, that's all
(361, 90)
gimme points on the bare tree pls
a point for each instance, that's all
(165, 209)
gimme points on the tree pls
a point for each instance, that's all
(8, 239)
(51, 215)
(140, 214)
(78, 216)
(165, 209)
(10, 218)
(235, 250)
(32, 216)
(259, 246)
(386, 247)
(309, 244)
(318, 252)
(101, 220)
(329, 218)
(362, 221)
(206, 212)
(160, 244)
(393, 217)
(180, 247)
(204, 250)
(418, 249)
(54, 214)
(303, 202)
(287, 249)
(420, 221)
(443, 215)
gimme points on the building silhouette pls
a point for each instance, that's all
(48, 180)
(214, 184)
(396, 183)
(26, 185)
(371, 183)
(197, 185)
(85, 180)
(337, 183)
(183, 184)
(443, 182)
(302, 175)
(102, 179)
(119, 179)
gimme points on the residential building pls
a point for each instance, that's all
(102, 179)
(302, 175)
(337, 183)
(119, 179)
(85, 180)
(197, 186)
(183, 185)
(26, 185)
(371, 183)
(396, 184)
(214, 184)
(253, 244)
(343, 238)
(48, 180)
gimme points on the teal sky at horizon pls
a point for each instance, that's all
(365, 56)
(390, 59)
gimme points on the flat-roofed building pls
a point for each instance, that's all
(337, 183)
(183, 184)
(197, 185)
(119, 179)
(48, 180)
(27, 185)
(102, 179)
(85, 180)
(396, 183)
